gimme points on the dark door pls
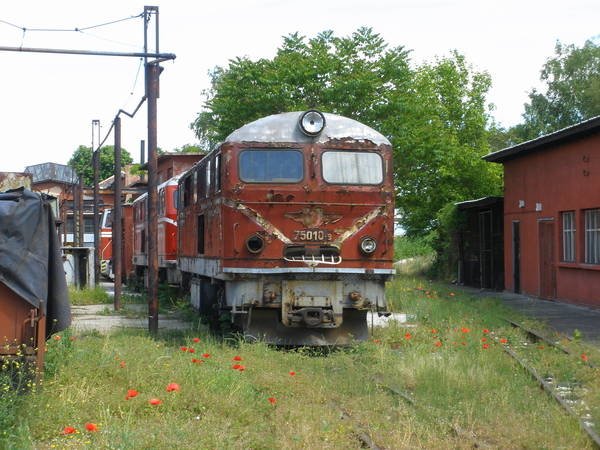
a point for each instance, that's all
(516, 256)
(547, 271)
(486, 262)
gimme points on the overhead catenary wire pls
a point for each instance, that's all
(74, 29)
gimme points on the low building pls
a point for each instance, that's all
(480, 244)
(552, 214)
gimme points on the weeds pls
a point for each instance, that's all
(231, 394)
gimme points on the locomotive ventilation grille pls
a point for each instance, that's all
(312, 254)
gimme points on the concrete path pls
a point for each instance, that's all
(562, 317)
(104, 319)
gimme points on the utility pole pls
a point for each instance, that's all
(96, 165)
(153, 70)
(117, 224)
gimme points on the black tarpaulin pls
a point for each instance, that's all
(30, 260)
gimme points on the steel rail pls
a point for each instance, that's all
(550, 390)
(458, 431)
(584, 424)
(540, 337)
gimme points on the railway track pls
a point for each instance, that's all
(569, 395)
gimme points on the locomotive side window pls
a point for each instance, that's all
(208, 171)
(195, 188)
(201, 182)
(187, 191)
(218, 173)
(161, 202)
(200, 236)
(271, 166)
(349, 167)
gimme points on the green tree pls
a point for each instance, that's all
(572, 79)
(434, 115)
(81, 161)
(188, 148)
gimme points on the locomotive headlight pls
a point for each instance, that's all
(255, 243)
(312, 122)
(368, 245)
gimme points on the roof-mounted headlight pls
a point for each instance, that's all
(312, 122)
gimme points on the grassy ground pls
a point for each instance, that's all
(230, 394)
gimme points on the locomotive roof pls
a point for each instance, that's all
(284, 128)
(173, 181)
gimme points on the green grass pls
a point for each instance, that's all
(438, 359)
(88, 296)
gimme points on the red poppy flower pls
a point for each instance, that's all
(483, 339)
(69, 430)
(122, 364)
(584, 357)
(486, 331)
(272, 400)
(486, 346)
(154, 401)
(438, 343)
(191, 350)
(465, 330)
(434, 331)
(241, 368)
(57, 337)
(196, 339)
(407, 336)
(541, 347)
(91, 427)
(206, 355)
(292, 373)
(183, 349)
(236, 366)
(504, 341)
(172, 387)
(237, 358)
(376, 341)
(197, 361)
(131, 393)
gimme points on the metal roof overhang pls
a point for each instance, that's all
(577, 131)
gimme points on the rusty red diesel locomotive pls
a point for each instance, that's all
(286, 228)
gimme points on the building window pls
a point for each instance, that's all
(568, 236)
(592, 236)
(88, 225)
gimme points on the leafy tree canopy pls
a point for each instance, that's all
(81, 161)
(572, 79)
(434, 115)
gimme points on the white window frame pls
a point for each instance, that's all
(592, 236)
(568, 236)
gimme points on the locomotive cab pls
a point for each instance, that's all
(294, 235)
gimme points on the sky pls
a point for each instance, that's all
(48, 102)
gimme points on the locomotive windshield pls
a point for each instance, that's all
(352, 167)
(271, 166)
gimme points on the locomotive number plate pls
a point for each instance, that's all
(313, 235)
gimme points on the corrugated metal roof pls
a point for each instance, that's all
(284, 128)
(52, 172)
(579, 130)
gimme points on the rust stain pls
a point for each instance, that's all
(258, 219)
